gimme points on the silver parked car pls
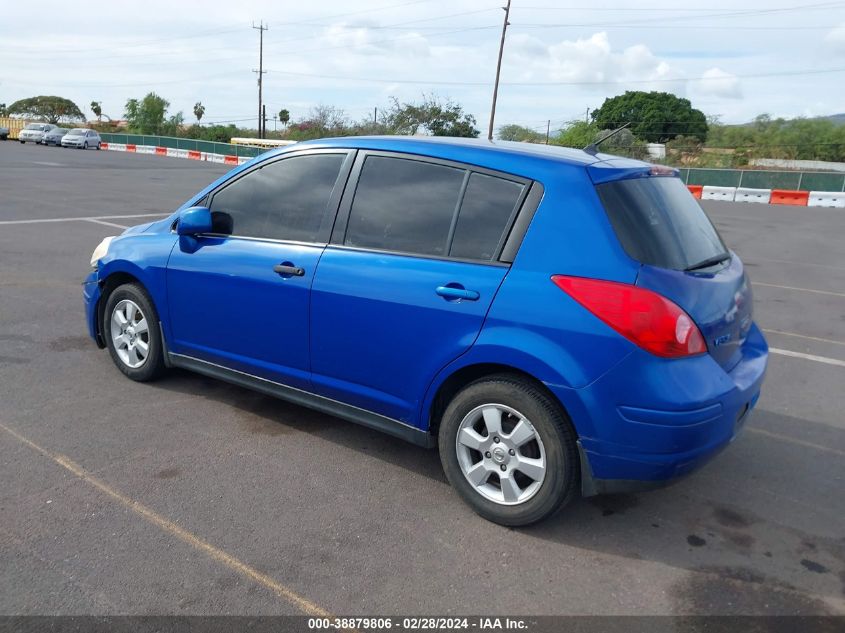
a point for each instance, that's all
(34, 132)
(54, 136)
(81, 138)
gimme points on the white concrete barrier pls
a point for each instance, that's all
(117, 147)
(744, 194)
(718, 193)
(145, 149)
(243, 159)
(827, 199)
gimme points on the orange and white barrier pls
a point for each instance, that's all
(798, 198)
(725, 194)
(745, 194)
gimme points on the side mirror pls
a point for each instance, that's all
(194, 220)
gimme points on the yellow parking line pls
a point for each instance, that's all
(809, 338)
(215, 553)
(792, 440)
(813, 290)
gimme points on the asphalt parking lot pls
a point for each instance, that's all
(190, 496)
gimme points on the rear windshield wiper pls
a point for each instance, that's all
(710, 261)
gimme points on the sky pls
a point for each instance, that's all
(733, 61)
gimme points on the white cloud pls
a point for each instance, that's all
(592, 61)
(835, 40)
(715, 82)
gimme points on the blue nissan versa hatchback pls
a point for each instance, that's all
(553, 320)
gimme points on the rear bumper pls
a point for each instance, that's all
(650, 421)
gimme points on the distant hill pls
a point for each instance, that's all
(838, 119)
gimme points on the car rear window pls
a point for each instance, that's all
(659, 223)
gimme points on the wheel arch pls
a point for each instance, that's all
(107, 284)
(462, 376)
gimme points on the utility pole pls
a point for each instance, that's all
(264, 121)
(548, 129)
(587, 117)
(375, 115)
(498, 70)
(260, 28)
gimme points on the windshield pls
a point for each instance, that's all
(77, 132)
(659, 223)
(59, 130)
(35, 126)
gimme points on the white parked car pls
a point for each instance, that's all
(34, 132)
(81, 138)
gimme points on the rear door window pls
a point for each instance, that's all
(659, 223)
(284, 200)
(404, 205)
(487, 209)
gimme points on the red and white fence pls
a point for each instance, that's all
(226, 159)
(770, 196)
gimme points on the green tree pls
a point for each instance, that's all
(284, 117)
(577, 134)
(654, 116)
(513, 132)
(97, 109)
(433, 116)
(4, 111)
(50, 108)
(147, 116)
(321, 121)
(199, 110)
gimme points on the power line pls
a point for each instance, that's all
(810, 71)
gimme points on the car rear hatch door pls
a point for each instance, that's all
(682, 256)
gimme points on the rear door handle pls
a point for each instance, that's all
(452, 293)
(285, 269)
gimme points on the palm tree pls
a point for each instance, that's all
(199, 110)
(284, 117)
(97, 109)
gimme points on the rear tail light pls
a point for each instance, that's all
(642, 316)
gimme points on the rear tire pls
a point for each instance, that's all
(98, 147)
(132, 334)
(517, 460)
(85, 145)
(23, 142)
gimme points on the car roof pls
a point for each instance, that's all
(470, 150)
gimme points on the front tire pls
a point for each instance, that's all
(132, 334)
(509, 450)
(85, 145)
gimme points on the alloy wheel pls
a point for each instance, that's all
(130, 333)
(501, 454)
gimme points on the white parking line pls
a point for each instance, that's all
(818, 292)
(86, 218)
(809, 338)
(120, 226)
(793, 440)
(812, 357)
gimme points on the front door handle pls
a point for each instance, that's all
(289, 269)
(457, 293)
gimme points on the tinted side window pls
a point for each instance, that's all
(486, 210)
(286, 200)
(404, 205)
